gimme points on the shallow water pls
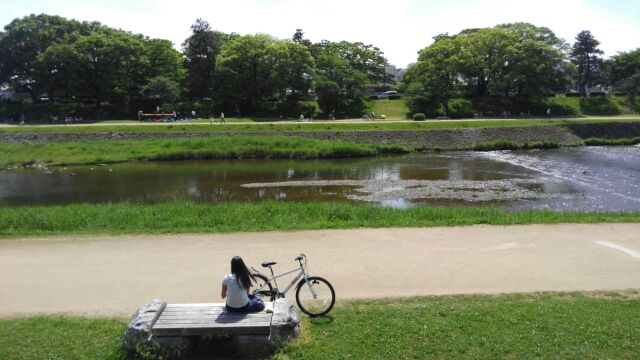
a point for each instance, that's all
(584, 178)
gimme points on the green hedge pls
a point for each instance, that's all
(460, 108)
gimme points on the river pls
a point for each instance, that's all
(580, 178)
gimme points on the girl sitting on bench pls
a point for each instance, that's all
(236, 287)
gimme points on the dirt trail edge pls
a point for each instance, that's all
(114, 275)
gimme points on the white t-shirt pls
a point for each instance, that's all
(236, 296)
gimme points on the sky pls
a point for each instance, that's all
(400, 28)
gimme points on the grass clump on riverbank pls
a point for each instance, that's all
(512, 145)
(230, 147)
(544, 325)
(605, 142)
(186, 217)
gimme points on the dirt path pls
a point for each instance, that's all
(115, 275)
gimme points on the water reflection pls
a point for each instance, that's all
(600, 178)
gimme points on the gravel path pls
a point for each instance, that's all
(115, 275)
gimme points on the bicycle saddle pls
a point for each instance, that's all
(268, 263)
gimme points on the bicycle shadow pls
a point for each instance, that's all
(321, 320)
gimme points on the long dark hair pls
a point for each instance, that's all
(243, 275)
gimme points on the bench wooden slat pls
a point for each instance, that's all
(213, 322)
(216, 320)
(209, 319)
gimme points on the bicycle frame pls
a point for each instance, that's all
(302, 274)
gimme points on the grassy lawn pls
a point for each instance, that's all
(127, 218)
(61, 338)
(392, 109)
(595, 325)
(548, 325)
(312, 126)
(223, 147)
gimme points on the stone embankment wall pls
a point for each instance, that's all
(564, 135)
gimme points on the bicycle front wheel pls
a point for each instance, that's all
(315, 297)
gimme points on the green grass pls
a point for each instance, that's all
(593, 106)
(603, 141)
(314, 126)
(231, 147)
(392, 109)
(596, 325)
(56, 337)
(121, 218)
(547, 325)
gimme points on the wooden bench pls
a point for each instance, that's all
(169, 331)
(210, 319)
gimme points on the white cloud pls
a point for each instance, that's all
(400, 28)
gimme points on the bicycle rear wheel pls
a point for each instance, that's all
(263, 287)
(320, 303)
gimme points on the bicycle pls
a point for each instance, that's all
(314, 295)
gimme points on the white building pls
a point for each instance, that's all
(395, 73)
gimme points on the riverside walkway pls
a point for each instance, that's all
(113, 275)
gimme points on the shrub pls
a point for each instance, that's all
(460, 108)
(597, 93)
(573, 95)
(419, 117)
(492, 105)
(395, 97)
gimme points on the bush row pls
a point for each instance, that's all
(559, 106)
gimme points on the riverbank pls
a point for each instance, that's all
(186, 217)
(94, 148)
(127, 128)
(223, 147)
(569, 325)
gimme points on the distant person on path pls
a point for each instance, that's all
(23, 119)
(549, 113)
(236, 289)
(139, 115)
(222, 118)
(301, 117)
(174, 115)
(193, 114)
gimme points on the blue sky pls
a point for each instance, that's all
(399, 27)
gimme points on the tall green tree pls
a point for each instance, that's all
(298, 38)
(201, 50)
(622, 67)
(161, 90)
(258, 69)
(587, 58)
(24, 40)
(512, 63)
(106, 63)
(434, 79)
(344, 71)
